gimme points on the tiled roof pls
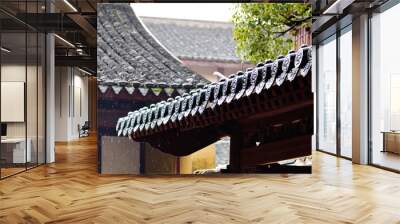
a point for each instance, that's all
(127, 54)
(264, 76)
(194, 39)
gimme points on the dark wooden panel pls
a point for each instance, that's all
(277, 151)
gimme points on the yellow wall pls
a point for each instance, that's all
(202, 159)
(185, 163)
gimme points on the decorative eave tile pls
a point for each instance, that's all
(143, 90)
(103, 88)
(117, 89)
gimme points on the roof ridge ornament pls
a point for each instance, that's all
(278, 70)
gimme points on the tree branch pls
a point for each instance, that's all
(294, 25)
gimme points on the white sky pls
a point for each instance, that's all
(195, 11)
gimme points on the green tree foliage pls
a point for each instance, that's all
(266, 30)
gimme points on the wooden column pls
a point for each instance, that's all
(92, 100)
(236, 146)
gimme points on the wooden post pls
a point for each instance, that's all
(236, 146)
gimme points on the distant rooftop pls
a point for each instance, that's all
(195, 39)
(128, 54)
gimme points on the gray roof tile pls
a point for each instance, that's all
(194, 39)
(127, 53)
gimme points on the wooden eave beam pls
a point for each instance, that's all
(276, 151)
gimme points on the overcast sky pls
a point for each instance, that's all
(196, 11)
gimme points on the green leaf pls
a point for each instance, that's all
(266, 30)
